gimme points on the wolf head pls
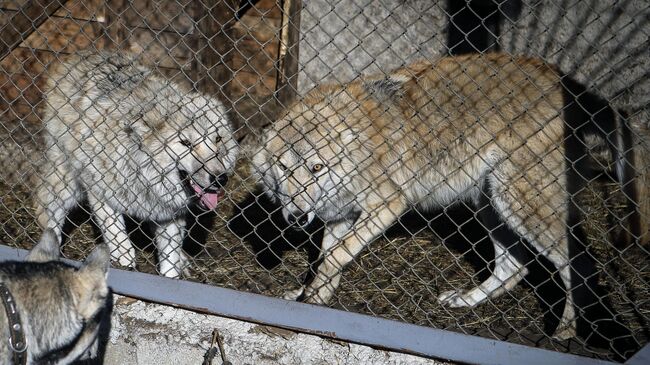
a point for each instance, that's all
(61, 306)
(313, 160)
(186, 136)
(198, 142)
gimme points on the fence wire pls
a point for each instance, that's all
(472, 192)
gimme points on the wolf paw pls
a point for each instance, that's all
(124, 259)
(453, 299)
(565, 332)
(293, 294)
(174, 265)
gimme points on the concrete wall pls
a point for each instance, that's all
(342, 39)
(602, 43)
(145, 333)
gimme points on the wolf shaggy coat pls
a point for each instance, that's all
(505, 133)
(60, 307)
(130, 142)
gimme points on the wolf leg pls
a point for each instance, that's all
(509, 257)
(172, 261)
(56, 195)
(111, 223)
(507, 273)
(334, 232)
(535, 206)
(371, 223)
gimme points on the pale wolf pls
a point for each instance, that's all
(131, 142)
(56, 309)
(503, 132)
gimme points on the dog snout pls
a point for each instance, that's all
(298, 218)
(219, 181)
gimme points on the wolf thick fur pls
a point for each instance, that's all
(131, 143)
(483, 128)
(60, 307)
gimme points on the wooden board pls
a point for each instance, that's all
(167, 49)
(252, 85)
(255, 28)
(18, 88)
(78, 9)
(259, 62)
(29, 61)
(169, 15)
(62, 34)
(266, 9)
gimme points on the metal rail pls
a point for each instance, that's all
(328, 322)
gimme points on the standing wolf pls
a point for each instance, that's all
(131, 143)
(505, 133)
(55, 310)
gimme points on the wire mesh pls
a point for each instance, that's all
(179, 133)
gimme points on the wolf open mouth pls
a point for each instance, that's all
(208, 198)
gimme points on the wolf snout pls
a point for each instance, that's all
(220, 181)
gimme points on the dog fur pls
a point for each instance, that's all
(506, 133)
(130, 142)
(61, 307)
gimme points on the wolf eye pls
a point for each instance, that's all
(317, 167)
(185, 142)
(218, 139)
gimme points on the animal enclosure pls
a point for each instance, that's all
(258, 57)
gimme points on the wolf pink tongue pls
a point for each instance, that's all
(209, 200)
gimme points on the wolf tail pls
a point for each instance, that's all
(596, 120)
(594, 128)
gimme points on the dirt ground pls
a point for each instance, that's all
(399, 276)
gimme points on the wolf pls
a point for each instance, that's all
(59, 307)
(130, 142)
(502, 132)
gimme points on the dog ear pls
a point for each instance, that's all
(47, 249)
(97, 262)
(90, 285)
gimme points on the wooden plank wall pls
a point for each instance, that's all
(256, 46)
(196, 43)
(75, 26)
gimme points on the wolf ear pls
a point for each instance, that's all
(120, 71)
(47, 248)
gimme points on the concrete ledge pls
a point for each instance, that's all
(146, 333)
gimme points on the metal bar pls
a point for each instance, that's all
(640, 358)
(327, 322)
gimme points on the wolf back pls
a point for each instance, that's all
(130, 142)
(491, 129)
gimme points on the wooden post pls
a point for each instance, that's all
(115, 31)
(287, 82)
(30, 16)
(215, 47)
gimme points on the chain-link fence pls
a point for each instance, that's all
(476, 166)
